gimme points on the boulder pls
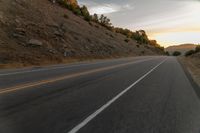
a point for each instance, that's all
(35, 43)
(57, 33)
(16, 35)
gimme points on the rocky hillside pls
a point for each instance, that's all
(37, 32)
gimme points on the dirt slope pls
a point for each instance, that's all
(37, 32)
(193, 65)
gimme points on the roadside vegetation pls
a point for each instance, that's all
(176, 53)
(167, 53)
(192, 52)
(140, 36)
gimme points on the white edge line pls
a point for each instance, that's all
(97, 112)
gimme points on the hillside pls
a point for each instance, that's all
(37, 32)
(183, 48)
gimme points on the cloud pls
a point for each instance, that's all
(109, 8)
(104, 9)
(154, 16)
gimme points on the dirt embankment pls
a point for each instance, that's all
(37, 32)
(193, 66)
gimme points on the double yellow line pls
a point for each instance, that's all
(42, 82)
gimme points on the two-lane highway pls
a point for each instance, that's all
(130, 95)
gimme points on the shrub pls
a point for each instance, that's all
(64, 4)
(197, 49)
(88, 18)
(77, 11)
(167, 53)
(95, 18)
(126, 40)
(190, 52)
(111, 36)
(104, 21)
(176, 53)
(90, 24)
(84, 11)
(142, 52)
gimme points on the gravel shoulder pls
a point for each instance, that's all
(192, 65)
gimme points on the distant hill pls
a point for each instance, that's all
(183, 48)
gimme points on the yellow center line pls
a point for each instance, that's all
(42, 82)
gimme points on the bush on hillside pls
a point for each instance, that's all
(197, 49)
(104, 21)
(190, 52)
(167, 53)
(77, 11)
(140, 36)
(88, 18)
(126, 40)
(84, 11)
(95, 18)
(176, 53)
(64, 4)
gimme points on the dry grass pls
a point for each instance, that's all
(193, 66)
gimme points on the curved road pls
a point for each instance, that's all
(149, 94)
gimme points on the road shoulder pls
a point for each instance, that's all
(192, 70)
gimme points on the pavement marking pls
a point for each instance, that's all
(53, 68)
(42, 82)
(46, 69)
(97, 112)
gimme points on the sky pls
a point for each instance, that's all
(170, 22)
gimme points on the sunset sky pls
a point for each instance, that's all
(170, 22)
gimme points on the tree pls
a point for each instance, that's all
(101, 19)
(176, 53)
(76, 10)
(105, 21)
(85, 13)
(95, 18)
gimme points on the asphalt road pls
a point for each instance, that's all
(129, 95)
